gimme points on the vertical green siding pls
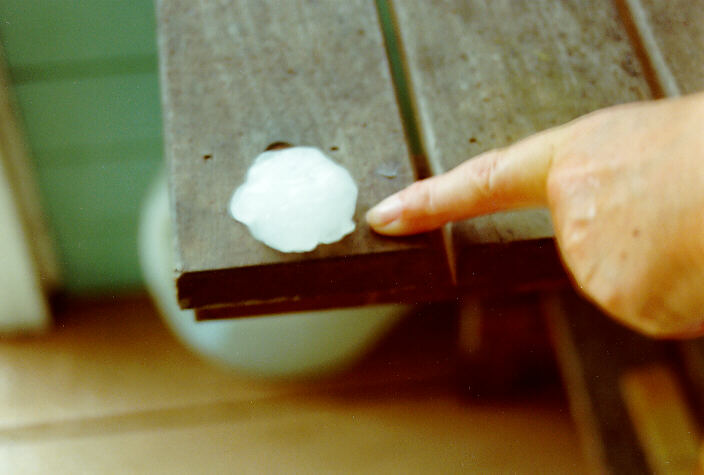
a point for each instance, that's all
(85, 76)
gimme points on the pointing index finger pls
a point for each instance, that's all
(502, 179)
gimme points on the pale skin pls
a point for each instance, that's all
(625, 188)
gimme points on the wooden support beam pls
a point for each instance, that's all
(672, 34)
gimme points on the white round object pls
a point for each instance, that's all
(301, 344)
(296, 198)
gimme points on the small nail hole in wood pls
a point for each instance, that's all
(278, 146)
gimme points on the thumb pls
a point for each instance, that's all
(502, 179)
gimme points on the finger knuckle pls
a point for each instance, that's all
(485, 172)
(555, 188)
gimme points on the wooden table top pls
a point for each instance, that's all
(416, 87)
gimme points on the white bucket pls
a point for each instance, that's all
(292, 345)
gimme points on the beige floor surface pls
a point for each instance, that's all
(110, 391)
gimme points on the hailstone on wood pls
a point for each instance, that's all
(296, 198)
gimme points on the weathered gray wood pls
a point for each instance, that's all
(239, 75)
(672, 33)
(485, 73)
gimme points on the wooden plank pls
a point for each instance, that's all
(672, 33)
(485, 73)
(238, 76)
(594, 354)
(328, 435)
(350, 433)
(663, 422)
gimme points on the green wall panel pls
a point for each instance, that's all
(85, 76)
(110, 192)
(90, 110)
(41, 32)
(85, 263)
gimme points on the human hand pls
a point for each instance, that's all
(625, 187)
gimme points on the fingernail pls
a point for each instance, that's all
(385, 212)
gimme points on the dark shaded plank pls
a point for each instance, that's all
(485, 73)
(672, 34)
(692, 356)
(503, 347)
(240, 75)
(596, 356)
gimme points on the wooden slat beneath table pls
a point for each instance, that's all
(662, 419)
(239, 75)
(486, 73)
(595, 354)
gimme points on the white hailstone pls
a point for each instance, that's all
(296, 198)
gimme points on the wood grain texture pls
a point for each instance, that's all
(673, 34)
(239, 75)
(594, 354)
(486, 73)
(333, 434)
